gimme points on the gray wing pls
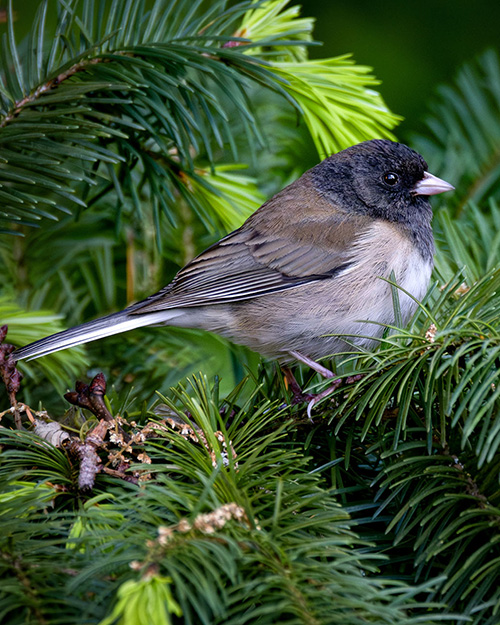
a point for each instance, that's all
(251, 263)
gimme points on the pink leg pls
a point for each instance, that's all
(326, 373)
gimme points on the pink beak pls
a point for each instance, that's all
(431, 185)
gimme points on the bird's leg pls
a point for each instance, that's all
(326, 373)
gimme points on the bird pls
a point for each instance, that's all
(308, 272)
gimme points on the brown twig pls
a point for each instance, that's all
(90, 462)
(91, 397)
(121, 474)
(10, 375)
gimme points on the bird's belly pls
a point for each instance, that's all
(310, 318)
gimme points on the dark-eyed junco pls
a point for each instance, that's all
(307, 265)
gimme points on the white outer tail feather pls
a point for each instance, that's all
(93, 330)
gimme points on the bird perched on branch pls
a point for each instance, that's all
(310, 264)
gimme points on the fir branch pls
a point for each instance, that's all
(118, 89)
(32, 98)
(227, 543)
(19, 570)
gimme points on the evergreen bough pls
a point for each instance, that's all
(132, 135)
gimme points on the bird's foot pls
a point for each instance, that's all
(319, 396)
(333, 387)
(298, 395)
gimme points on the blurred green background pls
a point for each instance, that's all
(412, 46)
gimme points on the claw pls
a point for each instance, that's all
(317, 398)
(310, 406)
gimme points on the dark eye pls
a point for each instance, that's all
(391, 178)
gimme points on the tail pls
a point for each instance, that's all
(91, 331)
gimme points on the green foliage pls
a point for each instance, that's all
(117, 87)
(272, 21)
(225, 183)
(252, 538)
(471, 243)
(331, 96)
(145, 602)
(135, 119)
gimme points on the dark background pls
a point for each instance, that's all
(412, 46)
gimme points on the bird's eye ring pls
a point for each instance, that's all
(391, 178)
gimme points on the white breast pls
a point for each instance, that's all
(382, 251)
(413, 276)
